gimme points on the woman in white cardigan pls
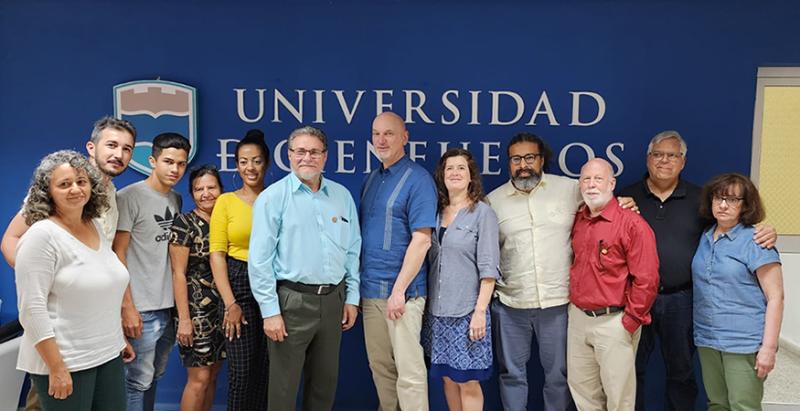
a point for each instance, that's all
(69, 290)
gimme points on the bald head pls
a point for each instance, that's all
(597, 184)
(388, 117)
(389, 136)
(598, 165)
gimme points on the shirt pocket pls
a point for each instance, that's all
(464, 234)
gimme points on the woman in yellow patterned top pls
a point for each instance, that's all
(229, 241)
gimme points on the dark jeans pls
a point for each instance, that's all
(672, 323)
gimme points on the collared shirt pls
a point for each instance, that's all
(729, 306)
(108, 220)
(616, 263)
(303, 236)
(467, 254)
(395, 202)
(677, 225)
(535, 249)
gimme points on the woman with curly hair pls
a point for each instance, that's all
(463, 260)
(69, 290)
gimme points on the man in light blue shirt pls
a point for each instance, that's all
(303, 269)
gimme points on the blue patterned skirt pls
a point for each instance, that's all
(450, 351)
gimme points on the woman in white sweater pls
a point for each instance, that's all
(69, 290)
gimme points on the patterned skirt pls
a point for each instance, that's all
(450, 351)
(205, 310)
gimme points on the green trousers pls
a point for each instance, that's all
(730, 380)
(97, 389)
(314, 325)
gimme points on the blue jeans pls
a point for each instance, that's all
(514, 330)
(152, 352)
(672, 323)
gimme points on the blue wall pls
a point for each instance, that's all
(689, 66)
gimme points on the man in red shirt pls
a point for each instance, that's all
(613, 283)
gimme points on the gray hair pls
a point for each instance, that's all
(666, 135)
(113, 123)
(39, 203)
(309, 131)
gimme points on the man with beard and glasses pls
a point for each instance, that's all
(110, 148)
(535, 210)
(612, 285)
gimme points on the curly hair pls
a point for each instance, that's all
(475, 188)
(39, 203)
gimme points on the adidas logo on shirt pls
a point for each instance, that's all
(165, 223)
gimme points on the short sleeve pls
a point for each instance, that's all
(218, 228)
(422, 203)
(127, 208)
(758, 257)
(181, 232)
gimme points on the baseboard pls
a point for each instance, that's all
(790, 346)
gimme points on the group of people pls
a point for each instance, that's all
(445, 276)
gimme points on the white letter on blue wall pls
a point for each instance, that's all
(451, 107)
(240, 105)
(576, 108)
(488, 157)
(297, 112)
(496, 107)
(543, 107)
(411, 107)
(341, 156)
(562, 158)
(224, 155)
(348, 112)
(614, 159)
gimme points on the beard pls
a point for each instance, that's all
(307, 175)
(526, 183)
(599, 201)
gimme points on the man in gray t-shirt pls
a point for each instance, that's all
(146, 210)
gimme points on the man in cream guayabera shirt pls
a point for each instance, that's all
(535, 211)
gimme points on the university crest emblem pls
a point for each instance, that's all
(155, 107)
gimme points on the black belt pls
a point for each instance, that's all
(316, 289)
(603, 311)
(672, 290)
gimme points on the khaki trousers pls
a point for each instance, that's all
(601, 358)
(395, 355)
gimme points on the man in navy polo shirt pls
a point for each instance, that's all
(670, 205)
(397, 213)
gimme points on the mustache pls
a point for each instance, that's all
(531, 171)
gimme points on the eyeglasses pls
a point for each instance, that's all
(301, 153)
(658, 155)
(730, 201)
(530, 158)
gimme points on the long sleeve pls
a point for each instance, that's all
(263, 251)
(35, 271)
(488, 248)
(643, 266)
(351, 276)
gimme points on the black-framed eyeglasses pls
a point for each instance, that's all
(730, 201)
(529, 158)
(301, 153)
